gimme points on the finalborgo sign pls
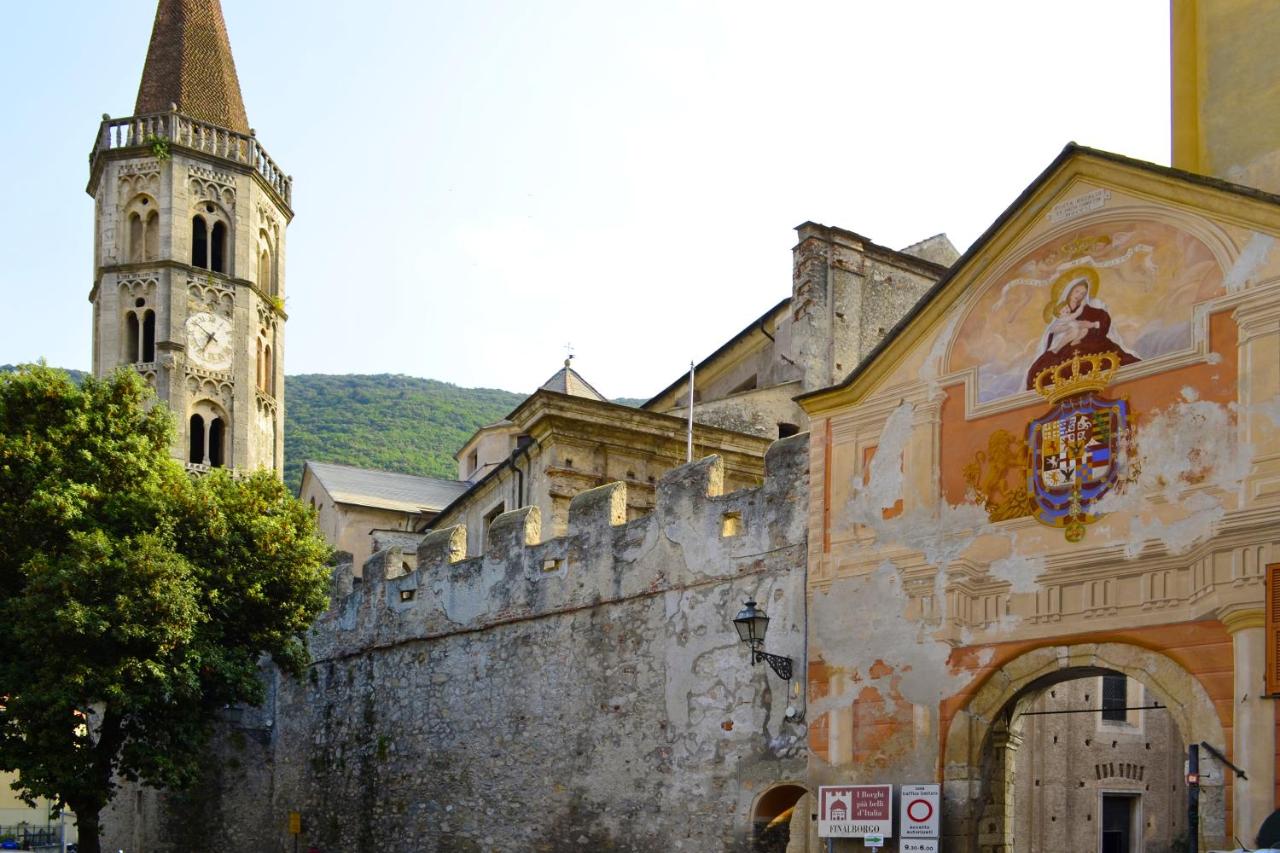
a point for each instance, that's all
(855, 811)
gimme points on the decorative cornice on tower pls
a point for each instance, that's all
(189, 64)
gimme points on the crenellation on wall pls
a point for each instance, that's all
(600, 560)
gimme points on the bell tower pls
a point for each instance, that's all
(189, 239)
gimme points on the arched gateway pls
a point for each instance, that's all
(982, 736)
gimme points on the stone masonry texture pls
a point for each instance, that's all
(584, 693)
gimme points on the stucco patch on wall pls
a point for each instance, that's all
(1251, 259)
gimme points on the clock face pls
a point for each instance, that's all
(209, 341)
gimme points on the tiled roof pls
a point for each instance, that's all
(189, 64)
(385, 489)
(566, 380)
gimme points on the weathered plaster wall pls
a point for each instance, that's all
(932, 612)
(585, 692)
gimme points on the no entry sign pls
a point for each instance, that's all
(855, 811)
(919, 811)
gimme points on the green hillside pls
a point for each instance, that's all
(392, 422)
(397, 423)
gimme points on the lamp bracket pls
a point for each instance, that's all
(780, 665)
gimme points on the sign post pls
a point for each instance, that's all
(920, 816)
(295, 828)
(855, 811)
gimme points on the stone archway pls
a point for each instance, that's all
(981, 739)
(773, 817)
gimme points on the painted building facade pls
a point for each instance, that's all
(1065, 462)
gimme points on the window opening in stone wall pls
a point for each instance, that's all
(217, 441)
(749, 384)
(218, 248)
(786, 430)
(269, 376)
(199, 242)
(731, 524)
(489, 518)
(473, 462)
(1115, 698)
(195, 440)
(258, 368)
(137, 246)
(132, 338)
(151, 236)
(148, 336)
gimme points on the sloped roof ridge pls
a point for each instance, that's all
(189, 63)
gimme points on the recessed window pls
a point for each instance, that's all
(552, 565)
(209, 208)
(786, 430)
(408, 594)
(731, 524)
(138, 303)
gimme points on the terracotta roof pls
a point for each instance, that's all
(189, 64)
(347, 484)
(566, 380)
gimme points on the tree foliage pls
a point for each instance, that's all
(135, 602)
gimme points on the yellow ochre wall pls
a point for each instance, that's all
(1226, 90)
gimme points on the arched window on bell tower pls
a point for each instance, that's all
(142, 230)
(132, 338)
(148, 353)
(199, 242)
(208, 435)
(195, 440)
(268, 273)
(218, 248)
(217, 443)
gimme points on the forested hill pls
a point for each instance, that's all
(392, 422)
(396, 423)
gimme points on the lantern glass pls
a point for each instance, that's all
(752, 623)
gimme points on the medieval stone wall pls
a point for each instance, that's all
(588, 692)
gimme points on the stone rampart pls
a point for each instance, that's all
(588, 692)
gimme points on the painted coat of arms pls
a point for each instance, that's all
(1073, 453)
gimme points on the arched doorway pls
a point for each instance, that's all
(771, 818)
(983, 740)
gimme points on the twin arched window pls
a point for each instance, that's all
(209, 242)
(140, 336)
(207, 437)
(266, 373)
(142, 230)
(268, 274)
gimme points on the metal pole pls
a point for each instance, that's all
(1193, 798)
(690, 455)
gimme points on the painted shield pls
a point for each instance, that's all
(1073, 450)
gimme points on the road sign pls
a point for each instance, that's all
(295, 823)
(873, 841)
(919, 808)
(919, 845)
(855, 811)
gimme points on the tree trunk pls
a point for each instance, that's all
(87, 827)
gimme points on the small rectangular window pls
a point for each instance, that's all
(1115, 698)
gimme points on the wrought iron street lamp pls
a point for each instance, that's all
(752, 623)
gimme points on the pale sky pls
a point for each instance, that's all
(477, 184)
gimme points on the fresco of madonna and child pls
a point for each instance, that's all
(1078, 324)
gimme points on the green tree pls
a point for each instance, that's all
(135, 602)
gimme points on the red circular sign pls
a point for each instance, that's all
(914, 809)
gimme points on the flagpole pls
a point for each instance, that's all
(690, 453)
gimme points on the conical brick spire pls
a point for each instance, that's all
(189, 64)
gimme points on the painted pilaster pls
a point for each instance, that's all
(1254, 727)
